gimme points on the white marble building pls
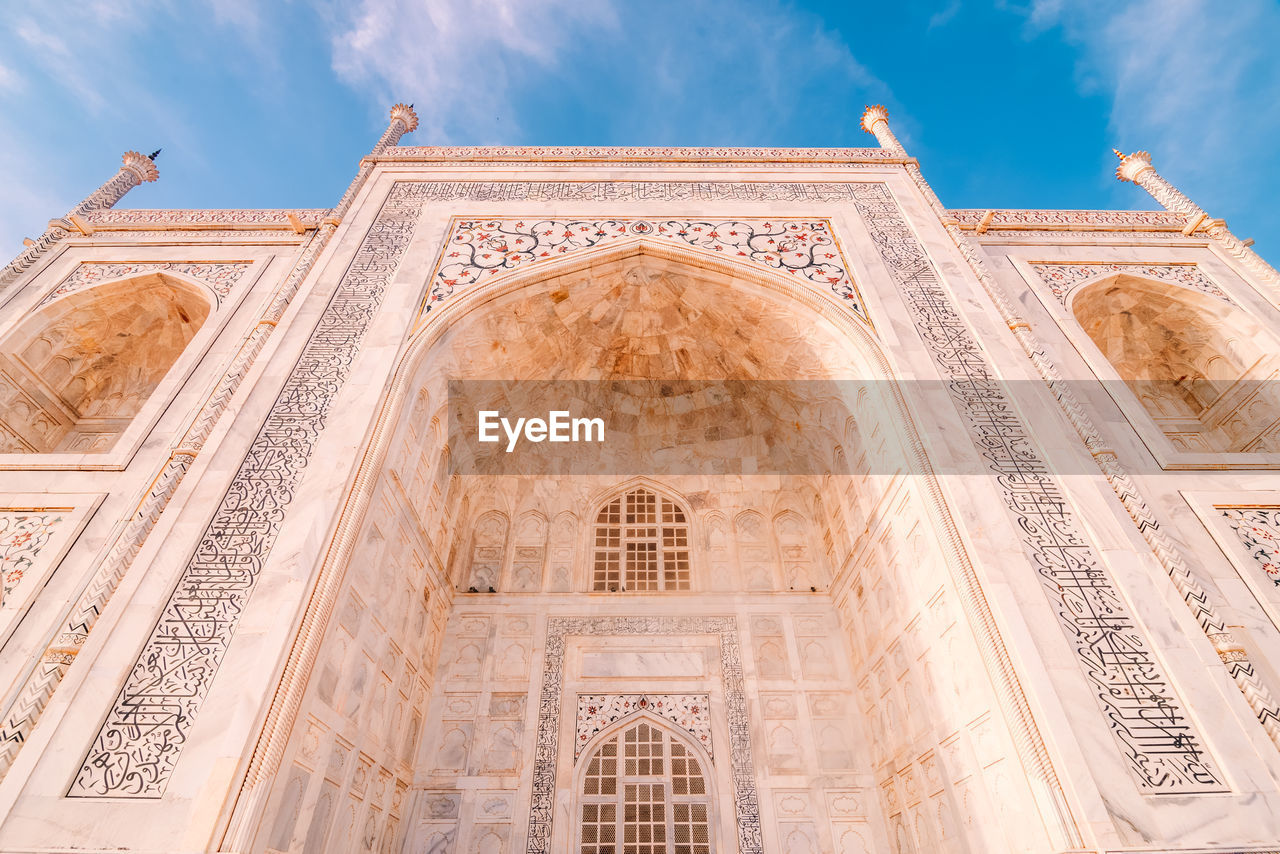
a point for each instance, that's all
(1012, 584)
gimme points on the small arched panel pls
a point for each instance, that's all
(76, 372)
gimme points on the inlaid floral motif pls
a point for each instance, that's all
(687, 711)
(22, 535)
(1259, 531)
(481, 250)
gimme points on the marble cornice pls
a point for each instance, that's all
(980, 220)
(295, 220)
(635, 154)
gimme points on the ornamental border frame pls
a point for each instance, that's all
(1129, 682)
(746, 801)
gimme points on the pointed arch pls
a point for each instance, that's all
(1198, 365)
(644, 781)
(74, 373)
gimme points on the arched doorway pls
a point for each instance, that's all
(642, 787)
(822, 632)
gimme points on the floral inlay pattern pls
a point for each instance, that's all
(22, 535)
(481, 250)
(1259, 531)
(687, 711)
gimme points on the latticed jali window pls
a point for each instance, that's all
(642, 543)
(644, 793)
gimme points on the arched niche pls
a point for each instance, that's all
(78, 370)
(1197, 364)
(641, 318)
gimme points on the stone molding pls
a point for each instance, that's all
(636, 154)
(1075, 220)
(195, 219)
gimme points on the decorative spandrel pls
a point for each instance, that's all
(1259, 531)
(690, 712)
(479, 251)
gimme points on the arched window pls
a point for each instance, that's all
(642, 544)
(75, 373)
(644, 792)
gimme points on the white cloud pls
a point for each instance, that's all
(943, 16)
(685, 69)
(454, 58)
(1194, 82)
(10, 80)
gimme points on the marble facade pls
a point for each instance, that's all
(1016, 589)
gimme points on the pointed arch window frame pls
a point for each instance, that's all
(617, 731)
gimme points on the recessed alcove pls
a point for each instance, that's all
(77, 370)
(810, 617)
(1203, 370)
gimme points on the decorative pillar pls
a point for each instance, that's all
(1137, 168)
(875, 121)
(136, 169)
(61, 650)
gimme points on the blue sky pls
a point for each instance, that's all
(1007, 104)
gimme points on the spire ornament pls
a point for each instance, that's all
(141, 165)
(1133, 166)
(875, 121)
(1137, 168)
(135, 169)
(402, 120)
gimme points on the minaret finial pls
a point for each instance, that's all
(875, 121)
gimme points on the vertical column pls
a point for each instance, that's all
(135, 169)
(1137, 168)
